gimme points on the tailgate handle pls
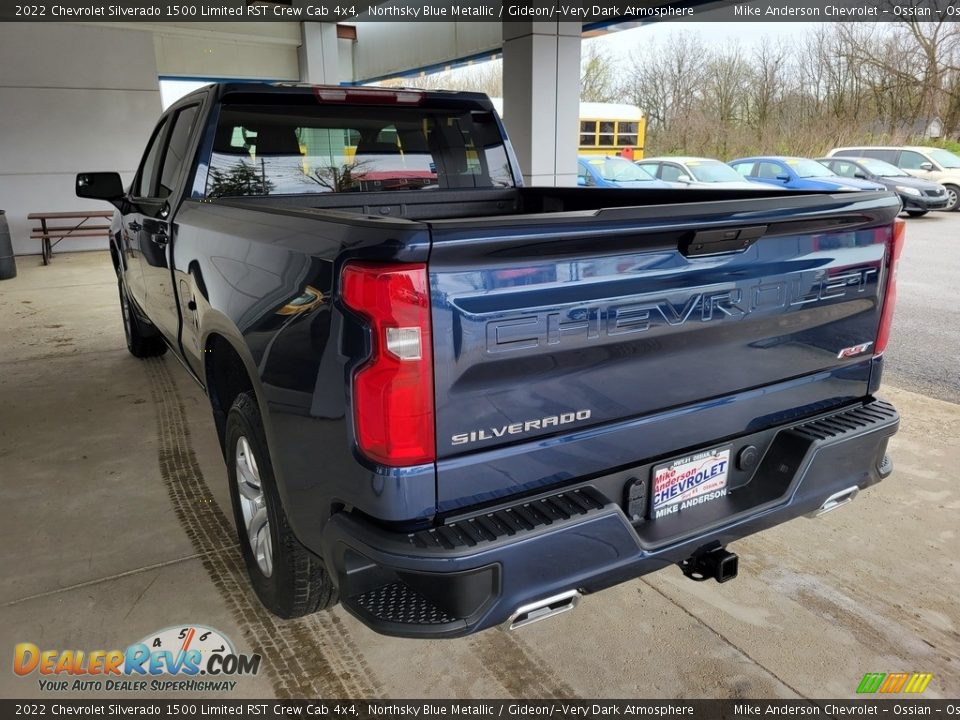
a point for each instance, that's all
(724, 240)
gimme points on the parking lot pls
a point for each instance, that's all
(118, 525)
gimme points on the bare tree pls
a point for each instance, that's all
(484, 77)
(597, 76)
(843, 83)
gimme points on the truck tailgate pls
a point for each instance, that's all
(552, 331)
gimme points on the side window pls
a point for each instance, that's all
(650, 168)
(844, 168)
(588, 133)
(143, 187)
(176, 153)
(582, 172)
(605, 136)
(626, 133)
(889, 156)
(910, 160)
(770, 170)
(671, 173)
(744, 169)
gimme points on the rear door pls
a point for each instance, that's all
(549, 327)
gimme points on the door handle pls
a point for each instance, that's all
(713, 242)
(134, 226)
(160, 238)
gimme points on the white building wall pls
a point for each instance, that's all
(73, 98)
(266, 51)
(417, 45)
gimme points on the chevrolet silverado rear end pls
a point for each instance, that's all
(456, 402)
(625, 390)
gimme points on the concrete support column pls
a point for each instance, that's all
(541, 98)
(318, 53)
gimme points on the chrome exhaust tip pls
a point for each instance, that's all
(542, 609)
(837, 500)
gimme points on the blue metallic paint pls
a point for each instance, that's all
(233, 266)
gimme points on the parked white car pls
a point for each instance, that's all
(696, 172)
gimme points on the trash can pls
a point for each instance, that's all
(8, 266)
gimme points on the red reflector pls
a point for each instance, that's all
(393, 390)
(894, 250)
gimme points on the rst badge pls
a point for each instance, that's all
(854, 350)
(690, 481)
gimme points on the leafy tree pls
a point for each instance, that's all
(241, 179)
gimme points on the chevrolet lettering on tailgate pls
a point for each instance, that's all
(595, 321)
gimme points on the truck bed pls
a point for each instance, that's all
(469, 204)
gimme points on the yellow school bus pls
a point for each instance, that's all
(612, 129)
(607, 129)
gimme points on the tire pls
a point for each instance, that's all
(953, 197)
(289, 580)
(143, 340)
(917, 213)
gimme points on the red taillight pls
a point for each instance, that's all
(894, 249)
(393, 390)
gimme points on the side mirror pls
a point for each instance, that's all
(928, 166)
(684, 179)
(783, 178)
(861, 176)
(581, 181)
(100, 186)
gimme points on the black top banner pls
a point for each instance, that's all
(480, 709)
(603, 11)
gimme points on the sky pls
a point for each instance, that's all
(746, 34)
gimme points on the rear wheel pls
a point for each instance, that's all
(917, 213)
(142, 340)
(289, 580)
(953, 197)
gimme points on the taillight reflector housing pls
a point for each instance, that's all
(373, 96)
(894, 250)
(393, 406)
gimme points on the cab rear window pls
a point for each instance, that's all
(280, 150)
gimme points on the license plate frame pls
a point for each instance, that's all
(689, 481)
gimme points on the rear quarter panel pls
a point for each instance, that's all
(246, 270)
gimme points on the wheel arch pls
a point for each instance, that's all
(228, 370)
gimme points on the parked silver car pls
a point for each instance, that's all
(695, 172)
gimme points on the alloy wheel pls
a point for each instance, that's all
(253, 503)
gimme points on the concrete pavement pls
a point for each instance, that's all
(924, 354)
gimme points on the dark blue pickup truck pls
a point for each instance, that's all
(451, 402)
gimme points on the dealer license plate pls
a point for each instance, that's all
(690, 481)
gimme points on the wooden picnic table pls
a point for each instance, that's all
(50, 236)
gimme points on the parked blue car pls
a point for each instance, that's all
(615, 172)
(797, 173)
